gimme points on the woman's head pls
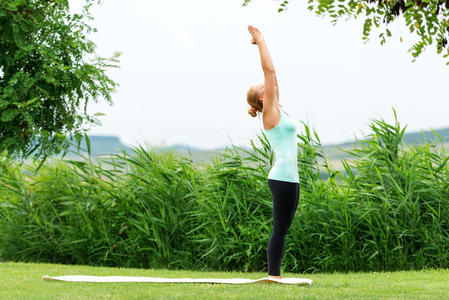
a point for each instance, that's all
(254, 97)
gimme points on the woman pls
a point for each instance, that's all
(281, 132)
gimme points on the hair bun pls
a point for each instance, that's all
(252, 111)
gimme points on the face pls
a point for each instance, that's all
(260, 88)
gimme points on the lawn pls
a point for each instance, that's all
(24, 281)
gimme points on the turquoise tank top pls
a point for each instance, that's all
(283, 142)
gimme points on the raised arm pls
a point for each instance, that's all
(277, 87)
(270, 94)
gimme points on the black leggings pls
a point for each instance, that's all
(285, 201)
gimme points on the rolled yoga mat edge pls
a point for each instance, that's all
(88, 278)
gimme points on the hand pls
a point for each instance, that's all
(256, 34)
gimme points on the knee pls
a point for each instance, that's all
(281, 232)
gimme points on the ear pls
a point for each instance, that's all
(261, 98)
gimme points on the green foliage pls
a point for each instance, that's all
(48, 75)
(428, 20)
(388, 210)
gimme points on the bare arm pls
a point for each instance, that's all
(277, 87)
(270, 76)
(267, 63)
(270, 93)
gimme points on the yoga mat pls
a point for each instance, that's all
(87, 278)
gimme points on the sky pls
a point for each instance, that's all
(187, 65)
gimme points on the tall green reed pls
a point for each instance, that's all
(387, 210)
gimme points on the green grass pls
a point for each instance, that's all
(24, 281)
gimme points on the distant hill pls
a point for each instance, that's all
(411, 138)
(101, 145)
(333, 151)
(418, 137)
(181, 147)
(108, 144)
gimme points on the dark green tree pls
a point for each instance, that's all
(48, 74)
(427, 19)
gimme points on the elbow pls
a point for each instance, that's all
(269, 71)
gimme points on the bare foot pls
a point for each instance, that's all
(275, 277)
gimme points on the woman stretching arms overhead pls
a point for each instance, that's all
(281, 131)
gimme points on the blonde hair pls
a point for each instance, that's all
(252, 97)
